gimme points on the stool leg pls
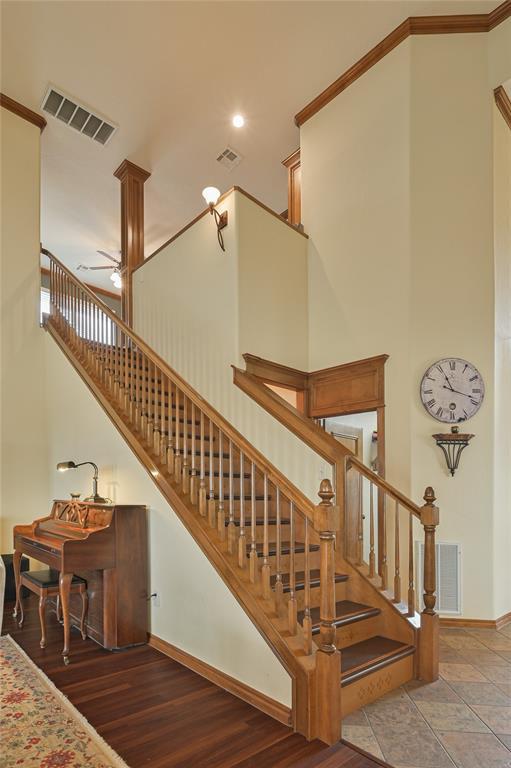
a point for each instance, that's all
(20, 609)
(16, 564)
(65, 585)
(42, 610)
(58, 611)
(85, 605)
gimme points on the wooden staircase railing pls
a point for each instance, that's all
(264, 536)
(381, 549)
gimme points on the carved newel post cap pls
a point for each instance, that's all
(429, 495)
(326, 492)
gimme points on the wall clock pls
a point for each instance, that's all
(452, 390)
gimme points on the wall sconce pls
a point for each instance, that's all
(452, 444)
(63, 466)
(211, 195)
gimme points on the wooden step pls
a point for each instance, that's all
(314, 580)
(285, 549)
(346, 612)
(369, 656)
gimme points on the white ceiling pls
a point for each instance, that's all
(171, 75)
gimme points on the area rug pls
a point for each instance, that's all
(39, 726)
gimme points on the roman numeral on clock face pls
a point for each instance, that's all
(452, 390)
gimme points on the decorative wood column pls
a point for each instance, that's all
(328, 658)
(429, 631)
(294, 188)
(132, 180)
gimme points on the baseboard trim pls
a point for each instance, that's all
(257, 699)
(477, 623)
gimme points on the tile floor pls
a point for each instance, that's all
(463, 719)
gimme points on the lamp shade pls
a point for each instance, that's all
(211, 195)
(63, 465)
(116, 279)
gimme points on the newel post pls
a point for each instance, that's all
(429, 631)
(328, 658)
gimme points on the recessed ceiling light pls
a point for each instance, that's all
(238, 121)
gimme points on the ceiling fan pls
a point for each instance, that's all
(117, 270)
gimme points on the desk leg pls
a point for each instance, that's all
(65, 586)
(16, 564)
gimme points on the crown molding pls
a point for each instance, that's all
(503, 102)
(414, 25)
(22, 111)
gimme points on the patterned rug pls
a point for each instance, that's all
(39, 727)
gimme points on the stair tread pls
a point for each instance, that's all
(346, 612)
(314, 579)
(362, 658)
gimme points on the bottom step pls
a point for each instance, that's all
(370, 655)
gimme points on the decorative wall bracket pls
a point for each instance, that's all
(452, 444)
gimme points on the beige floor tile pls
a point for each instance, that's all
(476, 750)
(450, 631)
(363, 737)
(505, 655)
(461, 673)
(459, 642)
(451, 717)
(485, 694)
(397, 714)
(506, 688)
(417, 746)
(355, 718)
(446, 653)
(497, 718)
(505, 739)
(506, 630)
(497, 642)
(496, 673)
(482, 656)
(437, 691)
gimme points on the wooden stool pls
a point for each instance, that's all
(46, 584)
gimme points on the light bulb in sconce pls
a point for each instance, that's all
(211, 195)
(116, 279)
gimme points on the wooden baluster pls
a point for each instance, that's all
(372, 559)
(242, 541)
(163, 421)
(194, 489)
(253, 565)
(186, 463)
(360, 525)
(411, 586)
(143, 395)
(220, 518)
(177, 449)
(171, 430)
(292, 608)
(265, 570)
(307, 621)
(328, 658)
(397, 556)
(429, 641)
(202, 481)
(136, 394)
(384, 566)
(279, 586)
(156, 436)
(231, 528)
(211, 499)
(151, 400)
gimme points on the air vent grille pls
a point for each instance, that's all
(77, 116)
(448, 576)
(229, 158)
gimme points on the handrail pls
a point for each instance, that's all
(384, 485)
(274, 475)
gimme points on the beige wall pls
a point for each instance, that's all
(23, 480)
(397, 200)
(201, 309)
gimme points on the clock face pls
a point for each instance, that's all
(452, 390)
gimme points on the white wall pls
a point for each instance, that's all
(197, 612)
(201, 309)
(397, 199)
(23, 479)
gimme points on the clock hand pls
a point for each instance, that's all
(447, 380)
(456, 391)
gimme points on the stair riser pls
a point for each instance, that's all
(299, 562)
(376, 684)
(357, 631)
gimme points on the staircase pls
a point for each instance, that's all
(342, 636)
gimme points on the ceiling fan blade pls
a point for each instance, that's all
(107, 256)
(107, 267)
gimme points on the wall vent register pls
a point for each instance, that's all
(229, 158)
(75, 115)
(448, 576)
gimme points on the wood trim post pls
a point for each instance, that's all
(429, 631)
(132, 180)
(294, 188)
(328, 657)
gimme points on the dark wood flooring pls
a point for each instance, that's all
(155, 712)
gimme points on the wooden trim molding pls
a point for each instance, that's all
(294, 187)
(243, 691)
(414, 25)
(460, 623)
(94, 288)
(503, 103)
(22, 111)
(206, 211)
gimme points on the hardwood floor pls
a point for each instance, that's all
(155, 712)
